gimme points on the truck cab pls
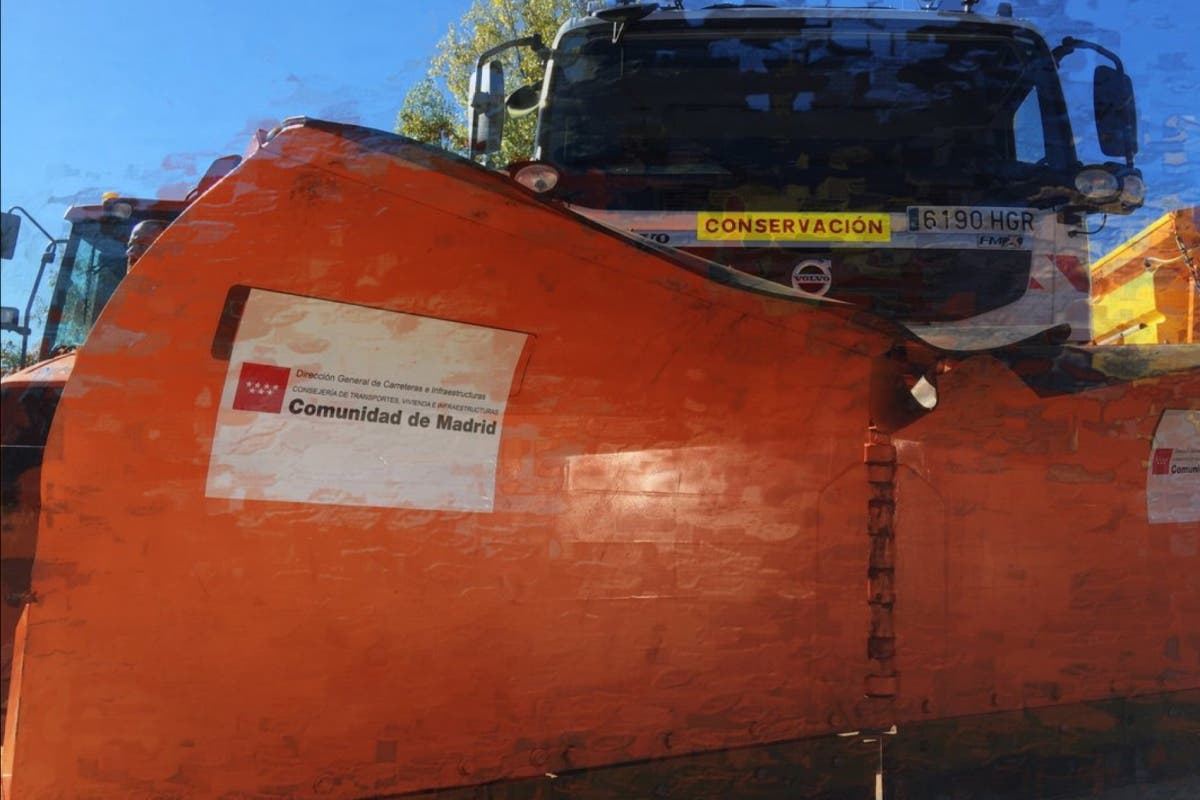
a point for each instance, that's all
(918, 164)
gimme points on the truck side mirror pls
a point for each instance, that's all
(1116, 112)
(486, 109)
(524, 100)
(10, 228)
(10, 320)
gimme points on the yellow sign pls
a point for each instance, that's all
(793, 227)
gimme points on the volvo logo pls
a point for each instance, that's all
(813, 276)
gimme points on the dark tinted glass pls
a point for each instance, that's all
(838, 114)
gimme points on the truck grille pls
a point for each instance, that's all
(914, 285)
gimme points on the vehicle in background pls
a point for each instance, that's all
(920, 165)
(93, 265)
(94, 262)
(1146, 290)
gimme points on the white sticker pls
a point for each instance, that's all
(1173, 475)
(333, 403)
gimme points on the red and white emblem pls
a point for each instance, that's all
(261, 387)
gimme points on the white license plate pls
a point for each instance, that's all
(970, 219)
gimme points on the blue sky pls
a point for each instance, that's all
(138, 97)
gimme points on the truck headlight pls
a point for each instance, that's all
(1097, 184)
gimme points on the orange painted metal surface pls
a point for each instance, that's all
(29, 397)
(677, 554)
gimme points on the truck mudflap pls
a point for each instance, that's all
(420, 483)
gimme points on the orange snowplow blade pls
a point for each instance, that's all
(378, 475)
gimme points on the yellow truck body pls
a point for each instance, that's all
(1145, 290)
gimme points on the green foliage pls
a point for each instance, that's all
(10, 357)
(429, 115)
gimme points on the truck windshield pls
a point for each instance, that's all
(828, 113)
(92, 267)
